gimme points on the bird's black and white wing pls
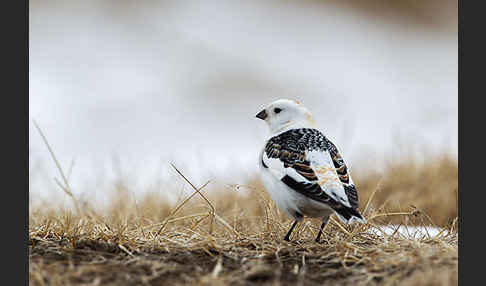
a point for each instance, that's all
(343, 174)
(306, 161)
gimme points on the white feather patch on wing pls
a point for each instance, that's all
(277, 169)
(322, 165)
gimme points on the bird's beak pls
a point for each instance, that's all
(262, 115)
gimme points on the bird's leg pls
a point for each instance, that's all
(287, 236)
(324, 221)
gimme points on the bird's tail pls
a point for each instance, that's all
(349, 215)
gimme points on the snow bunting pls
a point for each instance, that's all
(302, 170)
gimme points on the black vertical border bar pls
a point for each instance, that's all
(472, 130)
(14, 23)
(25, 198)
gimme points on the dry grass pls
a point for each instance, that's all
(234, 236)
(430, 187)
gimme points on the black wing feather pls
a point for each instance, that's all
(342, 171)
(313, 190)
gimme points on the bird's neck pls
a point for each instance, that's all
(291, 125)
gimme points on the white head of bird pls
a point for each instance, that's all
(285, 114)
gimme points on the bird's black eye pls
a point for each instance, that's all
(277, 110)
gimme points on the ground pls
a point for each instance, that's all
(362, 260)
(235, 237)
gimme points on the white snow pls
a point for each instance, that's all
(413, 232)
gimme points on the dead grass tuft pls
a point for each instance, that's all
(430, 188)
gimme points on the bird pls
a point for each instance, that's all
(302, 170)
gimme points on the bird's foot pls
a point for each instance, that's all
(321, 241)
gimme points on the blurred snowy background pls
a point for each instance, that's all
(121, 88)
